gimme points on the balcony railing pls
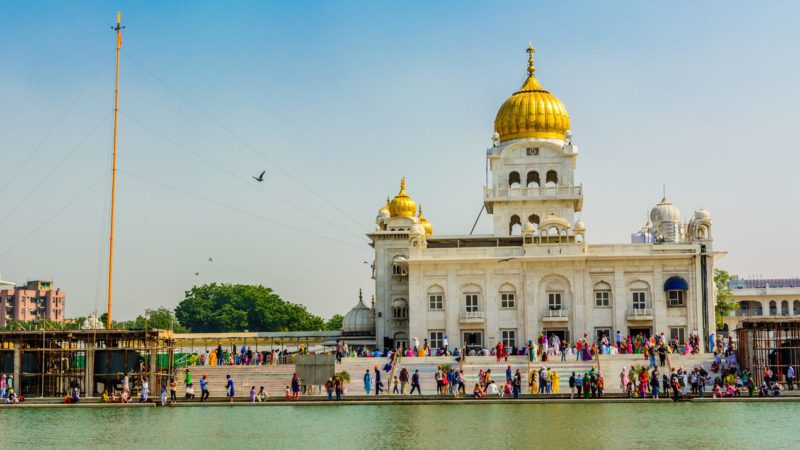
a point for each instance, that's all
(640, 312)
(566, 192)
(747, 313)
(556, 313)
(472, 315)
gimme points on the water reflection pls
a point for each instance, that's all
(485, 426)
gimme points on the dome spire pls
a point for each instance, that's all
(530, 51)
(402, 204)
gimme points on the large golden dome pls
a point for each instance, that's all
(402, 204)
(531, 112)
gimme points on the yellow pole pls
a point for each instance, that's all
(118, 29)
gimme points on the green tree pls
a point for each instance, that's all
(725, 302)
(237, 307)
(335, 323)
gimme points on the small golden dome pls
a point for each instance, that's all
(424, 222)
(402, 204)
(531, 112)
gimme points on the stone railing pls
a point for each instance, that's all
(472, 315)
(554, 192)
(556, 313)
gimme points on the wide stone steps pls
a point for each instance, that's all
(273, 378)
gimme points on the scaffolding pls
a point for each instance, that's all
(52, 363)
(768, 345)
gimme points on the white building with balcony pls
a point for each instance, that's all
(536, 273)
(763, 297)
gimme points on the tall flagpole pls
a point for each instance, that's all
(118, 29)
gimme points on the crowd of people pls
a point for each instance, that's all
(650, 380)
(245, 356)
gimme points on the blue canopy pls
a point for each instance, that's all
(676, 283)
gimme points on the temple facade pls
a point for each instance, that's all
(536, 273)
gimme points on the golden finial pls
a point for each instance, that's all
(403, 185)
(360, 296)
(530, 51)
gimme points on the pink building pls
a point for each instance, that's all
(36, 301)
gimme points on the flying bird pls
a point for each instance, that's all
(260, 178)
(210, 259)
(196, 273)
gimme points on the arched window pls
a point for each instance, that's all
(435, 298)
(551, 179)
(534, 220)
(400, 309)
(515, 226)
(602, 295)
(749, 308)
(508, 296)
(785, 308)
(399, 270)
(513, 179)
(796, 308)
(676, 288)
(773, 308)
(533, 179)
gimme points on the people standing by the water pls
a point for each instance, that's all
(378, 382)
(368, 382)
(338, 387)
(404, 379)
(230, 390)
(163, 395)
(203, 389)
(295, 386)
(173, 390)
(415, 383)
(328, 388)
(145, 390)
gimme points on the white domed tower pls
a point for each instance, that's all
(700, 225)
(666, 220)
(532, 160)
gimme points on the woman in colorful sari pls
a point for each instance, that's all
(643, 384)
(630, 344)
(587, 355)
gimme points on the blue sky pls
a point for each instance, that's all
(338, 100)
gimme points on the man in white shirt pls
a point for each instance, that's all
(790, 378)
